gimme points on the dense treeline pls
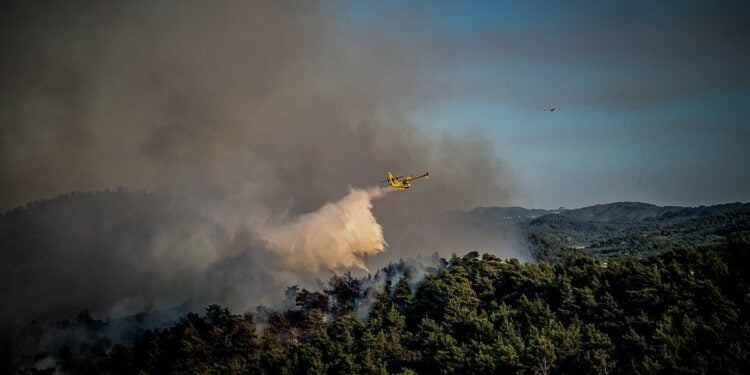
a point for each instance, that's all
(684, 310)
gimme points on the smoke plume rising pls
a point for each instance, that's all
(233, 113)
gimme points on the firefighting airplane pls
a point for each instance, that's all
(396, 182)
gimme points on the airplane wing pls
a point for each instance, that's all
(426, 175)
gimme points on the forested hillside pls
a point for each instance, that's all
(621, 288)
(683, 310)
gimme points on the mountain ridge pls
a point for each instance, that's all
(623, 211)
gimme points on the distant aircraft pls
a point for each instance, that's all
(552, 109)
(397, 182)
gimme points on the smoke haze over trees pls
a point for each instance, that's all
(682, 311)
(239, 116)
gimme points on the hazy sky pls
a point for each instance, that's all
(652, 97)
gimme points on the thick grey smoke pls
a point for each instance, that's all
(244, 113)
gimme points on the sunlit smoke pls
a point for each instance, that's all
(231, 113)
(338, 236)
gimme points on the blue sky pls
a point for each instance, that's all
(652, 97)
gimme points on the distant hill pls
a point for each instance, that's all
(631, 212)
(620, 212)
(613, 229)
(625, 212)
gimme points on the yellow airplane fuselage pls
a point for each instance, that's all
(401, 182)
(396, 183)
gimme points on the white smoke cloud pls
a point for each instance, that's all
(338, 236)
